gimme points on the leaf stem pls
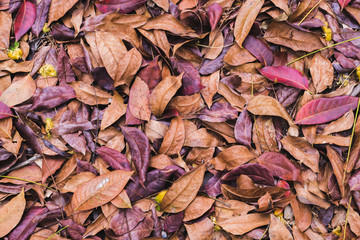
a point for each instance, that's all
(25, 180)
(347, 218)
(311, 53)
(312, 9)
(57, 232)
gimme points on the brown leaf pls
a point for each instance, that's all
(11, 213)
(264, 135)
(330, 139)
(174, 138)
(202, 230)
(183, 191)
(231, 209)
(187, 105)
(245, 19)
(300, 149)
(354, 221)
(116, 109)
(99, 190)
(126, 69)
(237, 56)
(19, 91)
(231, 96)
(58, 8)
(216, 39)
(265, 105)
(139, 100)
(307, 197)
(168, 22)
(198, 207)
(211, 86)
(198, 137)
(342, 124)
(302, 214)
(242, 224)
(89, 94)
(277, 230)
(232, 157)
(337, 166)
(5, 27)
(96, 226)
(283, 34)
(322, 72)
(162, 94)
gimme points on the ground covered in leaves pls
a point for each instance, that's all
(179, 119)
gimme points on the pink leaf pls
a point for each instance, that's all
(285, 75)
(280, 166)
(5, 111)
(24, 19)
(324, 110)
(343, 3)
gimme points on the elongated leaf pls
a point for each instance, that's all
(18, 92)
(4, 111)
(280, 166)
(219, 112)
(277, 230)
(213, 12)
(174, 138)
(183, 191)
(58, 8)
(42, 10)
(24, 19)
(140, 150)
(100, 190)
(232, 157)
(242, 129)
(343, 3)
(64, 70)
(245, 19)
(242, 224)
(259, 49)
(114, 158)
(324, 110)
(163, 92)
(122, 6)
(139, 100)
(285, 75)
(112, 113)
(11, 212)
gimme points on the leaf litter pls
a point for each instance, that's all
(179, 119)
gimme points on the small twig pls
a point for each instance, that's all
(25, 180)
(347, 217)
(57, 232)
(22, 164)
(312, 9)
(332, 45)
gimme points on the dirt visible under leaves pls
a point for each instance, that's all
(179, 119)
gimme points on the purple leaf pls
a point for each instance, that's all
(243, 128)
(173, 222)
(213, 13)
(191, 82)
(126, 220)
(151, 73)
(287, 95)
(29, 135)
(121, 6)
(140, 150)
(80, 64)
(5, 111)
(64, 70)
(259, 49)
(42, 10)
(62, 33)
(73, 229)
(156, 180)
(219, 112)
(354, 181)
(27, 224)
(71, 127)
(285, 75)
(102, 78)
(115, 159)
(24, 19)
(213, 186)
(84, 166)
(258, 173)
(130, 119)
(280, 166)
(51, 97)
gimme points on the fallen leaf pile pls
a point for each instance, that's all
(179, 119)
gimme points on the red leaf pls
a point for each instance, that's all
(280, 166)
(285, 75)
(343, 3)
(324, 110)
(5, 111)
(24, 19)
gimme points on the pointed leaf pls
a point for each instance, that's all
(5, 111)
(140, 150)
(11, 212)
(100, 190)
(42, 10)
(139, 100)
(183, 191)
(324, 110)
(285, 75)
(213, 12)
(280, 166)
(64, 69)
(114, 158)
(242, 224)
(242, 129)
(116, 109)
(343, 3)
(58, 9)
(122, 6)
(174, 138)
(259, 49)
(277, 230)
(19, 91)
(24, 19)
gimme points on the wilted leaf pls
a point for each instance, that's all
(162, 94)
(42, 10)
(140, 150)
(116, 109)
(245, 19)
(24, 19)
(280, 166)
(322, 72)
(242, 128)
(58, 8)
(118, 5)
(278, 230)
(174, 138)
(89, 94)
(343, 3)
(100, 190)
(211, 86)
(324, 110)
(183, 191)
(232, 157)
(139, 100)
(19, 91)
(213, 12)
(11, 213)
(200, 230)
(114, 158)
(288, 76)
(259, 49)
(242, 224)
(354, 221)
